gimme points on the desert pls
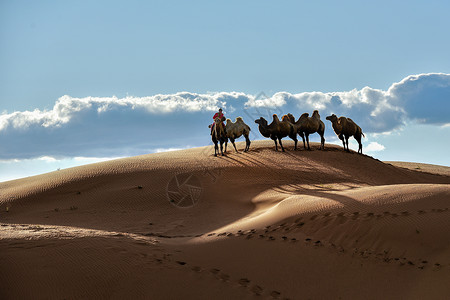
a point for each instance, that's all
(319, 224)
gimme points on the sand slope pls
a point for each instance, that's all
(185, 224)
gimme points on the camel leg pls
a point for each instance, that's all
(322, 142)
(294, 138)
(307, 140)
(234, 145)
(276, 145)
(247, 143)
(303, 138)
(226, 144)
(346, 141)
(221, 148)
(282, 148)
(341, 137)
(359, 143)
(216, 149)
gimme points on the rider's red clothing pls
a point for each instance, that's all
(218, 115)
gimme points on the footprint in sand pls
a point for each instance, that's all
(214, 271)
(196, 269)
(341, 218)
(244, 282)
(224, 277)
(275, 294)
(257, 290)
(313, 217)
(355, 215)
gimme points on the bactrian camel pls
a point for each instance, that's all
(236, 130)
(345, 128)
(277, 130)
(306, 125)
(218, 135)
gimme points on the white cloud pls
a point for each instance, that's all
(47, 159)
(118, 127)
(159, 150)
(374, 147)
(67, 107)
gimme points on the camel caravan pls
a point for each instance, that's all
(286, 127)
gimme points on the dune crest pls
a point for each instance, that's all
(186, 224)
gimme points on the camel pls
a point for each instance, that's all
(277, 130)
(345, 128)
(218, 135)
(236, 130)
(306, 125)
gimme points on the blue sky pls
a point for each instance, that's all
(84, 81)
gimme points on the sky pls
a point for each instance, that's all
(88, 81)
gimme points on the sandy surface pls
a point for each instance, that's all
(187, 225)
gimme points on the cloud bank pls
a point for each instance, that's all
(111, 126)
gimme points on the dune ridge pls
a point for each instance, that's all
(184, 224)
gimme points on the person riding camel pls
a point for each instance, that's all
(219, 115)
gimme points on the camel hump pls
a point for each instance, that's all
(229, 120)
(316, 114)
(239, 119)
(275, 117)
(285, 118)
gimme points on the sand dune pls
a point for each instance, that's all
(185, 224)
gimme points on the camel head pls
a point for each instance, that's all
(332, 118)
(261, 121)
